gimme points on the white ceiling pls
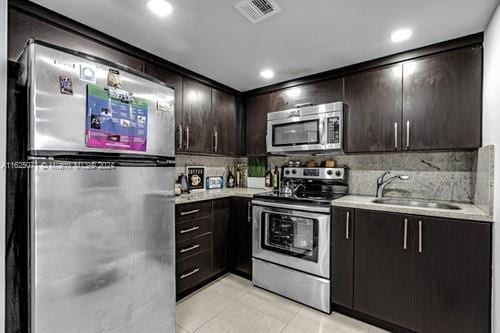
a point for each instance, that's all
(309, 36)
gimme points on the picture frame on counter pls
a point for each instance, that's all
(196, 177)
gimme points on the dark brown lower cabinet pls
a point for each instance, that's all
(383, 266)
(220, 234)
(452, 277)
(241, 236)
(342, 253)
(212, 237)
(194, 270)
(423, 274)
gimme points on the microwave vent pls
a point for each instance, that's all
(257, 10)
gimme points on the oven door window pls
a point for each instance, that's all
(290, 235)
(296, 133)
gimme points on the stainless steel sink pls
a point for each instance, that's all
(415, 203)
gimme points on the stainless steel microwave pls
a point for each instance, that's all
(317, 128)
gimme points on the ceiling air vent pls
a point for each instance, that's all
(257, 10)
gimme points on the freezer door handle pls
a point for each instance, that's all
(194, 271)
(185, 231)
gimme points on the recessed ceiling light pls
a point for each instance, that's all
(267, 74)
(401, 35)
(160, 7)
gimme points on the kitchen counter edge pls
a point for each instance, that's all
(467, 211)
(218, 194)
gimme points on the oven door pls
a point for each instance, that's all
(297, 133)
(285, 235)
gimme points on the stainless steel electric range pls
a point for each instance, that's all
(291, 235)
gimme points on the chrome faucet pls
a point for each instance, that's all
(381, 183)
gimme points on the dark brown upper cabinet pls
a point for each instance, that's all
(197, 117)
(225, 120)
(442, 101)
(257, 108)
(452, 276)
(314, 93)
(175, 81)
(373, 116)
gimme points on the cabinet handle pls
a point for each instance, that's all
(179, 145)
(249, 212)
(185, 231)
(194, 271)
(347, 226)
(189, 249)
(187, 137)
(190, 212)
(405, 235)
(396, 135)
(216, 136)
(419, 236)
(408, 134)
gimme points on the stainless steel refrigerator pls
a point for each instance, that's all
(100, 153)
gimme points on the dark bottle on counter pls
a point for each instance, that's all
(230, 179)
(269, 178)
(276, 178)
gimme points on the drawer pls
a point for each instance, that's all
(190, 229)
(191, 211)
(193, 246)
(193, 270)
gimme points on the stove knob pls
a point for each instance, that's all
(338, 173)
(294, 171)
(329, 172)
(287, 172)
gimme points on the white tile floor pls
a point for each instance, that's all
(232, 305)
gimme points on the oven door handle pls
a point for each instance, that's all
(306, 209)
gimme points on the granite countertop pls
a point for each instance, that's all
(217, 194)
(467, 211)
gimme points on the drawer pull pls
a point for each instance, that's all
(189, 249)
(185, 231)
(194, 211)
(194, 271)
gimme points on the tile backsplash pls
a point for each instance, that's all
(483, 179)
(216, 165)
(435, 176)
(462, 176)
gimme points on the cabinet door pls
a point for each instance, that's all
(316, 93)
(383, 266)
(225, 120)
(175, 81)
(220, 233)
(241, 235)
(442, 100)
(374, 106)
(453, 277)
(256, 124)
(197, 117)
(342, 255)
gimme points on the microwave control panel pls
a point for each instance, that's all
(333, 130)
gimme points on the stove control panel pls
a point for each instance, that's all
(315, 173)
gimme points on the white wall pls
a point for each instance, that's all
(3, 108)
(491, 135)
